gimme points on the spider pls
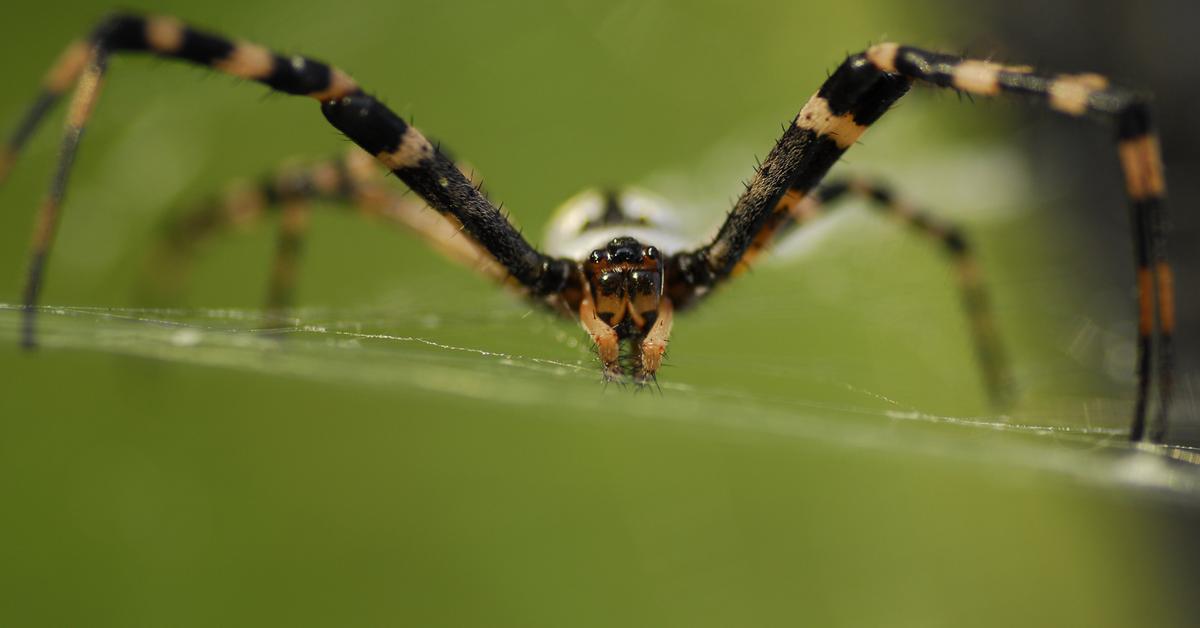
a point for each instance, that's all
(612, 262)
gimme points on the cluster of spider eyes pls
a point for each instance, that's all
(624, 252)
(625, 270)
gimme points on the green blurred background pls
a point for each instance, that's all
(821, 453)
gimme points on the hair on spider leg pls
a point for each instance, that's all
(621, 381)
(647, 384)
(646, 381)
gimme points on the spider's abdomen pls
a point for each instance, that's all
(588, 221)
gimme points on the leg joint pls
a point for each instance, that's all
(120, 31)
(1134, 119)
(553, 277)
(693, 269)
(956, 243)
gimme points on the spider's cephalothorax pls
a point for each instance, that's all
(622, 303)
(604, 270)
(621, 275)
(626, 280)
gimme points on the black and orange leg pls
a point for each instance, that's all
(62, 75)
(286, 193)
(855, 96)
(861, 90)
(46, 222)
(1090, 95)
(353, 182)
(289, 245)
(976, 299)
(361, 117)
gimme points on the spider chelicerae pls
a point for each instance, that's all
(611, 260)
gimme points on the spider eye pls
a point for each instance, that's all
(596, 257)
(651, 252)
(624, 252)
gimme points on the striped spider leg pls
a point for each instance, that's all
(625, 292)
(862, 89)
(352, 181)
(594, 289)
(361, 117)
(803, 208)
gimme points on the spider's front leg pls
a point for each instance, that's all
(865, 86)
(360, 116)
(1089, 95)
(853, 98)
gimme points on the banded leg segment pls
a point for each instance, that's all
(288, 193)
(1138, 151)
(62, 75)
(46, 221)
(976, 299)
(361, 117)
(245, 204)
(862, 89)
(353, 181)
(852, 98)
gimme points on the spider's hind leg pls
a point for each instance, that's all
(287, 192)
(976, 299)
(353, 182)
